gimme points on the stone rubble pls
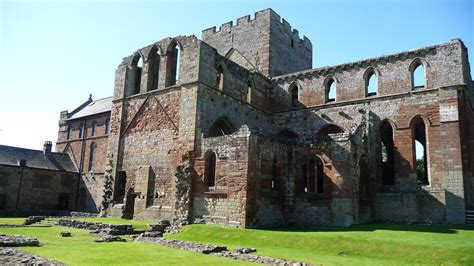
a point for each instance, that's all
(17, 241)
(110, 238)
(13, 256)
(239, 254)
(33, 219)
(111, 229)
(65, 234)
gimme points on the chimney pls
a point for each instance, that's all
(47, 147)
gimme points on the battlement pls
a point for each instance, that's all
(258, 37)
(262, 15)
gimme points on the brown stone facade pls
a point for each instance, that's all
(202, 130)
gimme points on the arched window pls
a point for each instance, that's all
(294, 95)
(221, 127)
(329, 129)
(137, 66)
(319, 176)
(107, 126)
(92, 157)
(210, 170)
(417, 74)
(311, 176)
(274, 172)
(330, 90)
(94, 129)
(220, 78)
(81, 131)
(155, 58)
(387, 156)
(173, 64)
(249, 92)
(420, 150)
(371, 86)
(304, 178)
(69, 132)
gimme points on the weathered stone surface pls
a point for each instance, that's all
(239, 254)
(17, 241)
(110, 238)
(33, 219)
(111, 229)
(65, 234)
(12, 256)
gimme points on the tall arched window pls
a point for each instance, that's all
(420, 150)
(210, 170)
(107, 126)
(81, 131)
(304, 178)
(417, 71)
(92, 156)
(173, 64)
(330, 90)
(294, 95)
(69, 132)
(371, 86)
(221, 127)
(311, 176)
(274, 172)
(249, 91)
(319, 176)
(94, 129)
(137, 66)
(220, 78)
(387, 150)
(155, 58)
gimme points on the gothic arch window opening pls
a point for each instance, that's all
(81, 131)
(249, 91)
(69, 132)
(420, 151)
(210, 168)
(387, 153)
(94, 129)
(173, 64)
(418, 74)
(220, 78)
(221, 127)
(331, 90)
(155, 67)
(371, 82)
(92, 156)
(293, 95)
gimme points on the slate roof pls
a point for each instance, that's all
(94, 107)
(36, 159)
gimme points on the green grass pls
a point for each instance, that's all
(80, 250)
(137, 224)
(370, 244)
(12, 220)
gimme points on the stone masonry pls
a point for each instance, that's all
(236, 128)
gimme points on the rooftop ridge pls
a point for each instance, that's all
(361, 63)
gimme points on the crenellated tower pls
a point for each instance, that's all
(266, 43)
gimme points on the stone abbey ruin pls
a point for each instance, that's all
(236, 128)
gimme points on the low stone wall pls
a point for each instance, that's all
(17, 241)
(33, 219)
(111, 229)
(216, 250)
(84, 215)
(13, 256)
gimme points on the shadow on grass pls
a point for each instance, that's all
(370, 227)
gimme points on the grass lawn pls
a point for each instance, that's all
(80, 250)
(12, 220)
(137, 224)
(369, 244)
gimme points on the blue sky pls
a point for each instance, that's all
(54, 53)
